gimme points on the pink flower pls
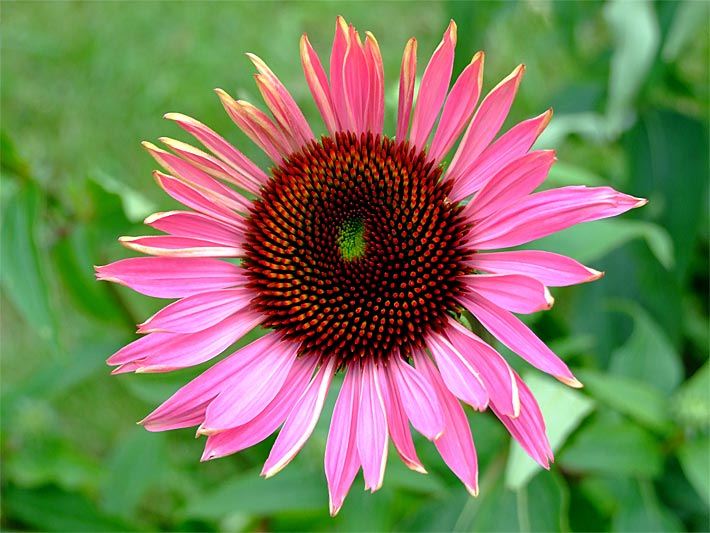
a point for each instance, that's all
(359, 255)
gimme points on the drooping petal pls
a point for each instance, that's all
(170, 246)
(281, 103)
(485, 125)
(198, 312)
(459, 106)
(456, 444)
(194, 199)
(211, 165)
(318, 83)
(163, 352)
(514, 292)
(461, 378)
(220, 147)
(496, 374)
(187, 406)
(251, 390)
(509, 330)
(418, 399)
(551, 269)
(372, 428)
(172, 277)
(515, 181)
(356, 81)
(341, 42)
(547, 212)
(376, 101)
(341, 458)
(197, 226)
(433, 88)
(398, 425)
(529, 427)
(407, 80)
(506, 149)
(300, 422)
(242, 437)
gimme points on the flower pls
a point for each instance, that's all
(359, 253)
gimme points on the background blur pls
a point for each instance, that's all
(84, 83)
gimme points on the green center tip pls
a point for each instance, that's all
(352, 239)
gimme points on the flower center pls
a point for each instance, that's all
(352, 239)
(354, 250)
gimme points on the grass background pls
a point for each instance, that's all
(83, 83)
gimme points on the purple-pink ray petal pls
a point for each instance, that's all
(418, 399)
(198, 226)
(372, 428)
(171, 246)
(318, 84)
(407, 80)
(513, 292)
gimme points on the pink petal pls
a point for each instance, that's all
(407, 80)
(461, 378)
(509, 147)
(496, 374)
(341, 457)
(553, 270)
(251, 389)
(258, 127)
(509, 330)
(172, 277)
(485, 124)
(242, 437)
(211, 165)
(376, 99)
(341, 42)
(529, 427)
(456, 444)
(281, 103)
(194, 199)
(459, 106)
(433, 88)
(546, 212)
(515, 181)
(170, 246)
(163, 352)
(187, 406)
(318, 83)
(372, 428)
(356, 82)
(300, 422)
(513, 292)
(398, 424)
(418, 399)
(198, 312)
(220, 147)
(197, 226)
(198, 180)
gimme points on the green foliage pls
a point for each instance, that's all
(83, 83)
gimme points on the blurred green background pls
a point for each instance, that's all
(83, 83)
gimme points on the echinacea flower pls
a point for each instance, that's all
(359, 252)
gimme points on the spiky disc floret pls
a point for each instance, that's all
(354, 249)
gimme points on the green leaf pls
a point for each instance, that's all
(135, 465)
(694, 456)
(543, 503)
(24, 273)
(593, 240)
(563, 409)
(641, 511)
(648, 355)
(135, 205)
(51, 509)
(637, 400)
(691, 17)
(691, 404)
(613, 447)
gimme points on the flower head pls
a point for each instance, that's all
(359, 252)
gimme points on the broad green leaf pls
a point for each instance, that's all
(593, 240)
(694, 456)
(691, 17)
(691, 404)
(135, 205)
(563, 408)
(635, 33)
(51, 509)
(543, 504)
(638, 400)
(24, 274)
(641, 511)
(648, 355)
(615, 447)
(135, 465)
